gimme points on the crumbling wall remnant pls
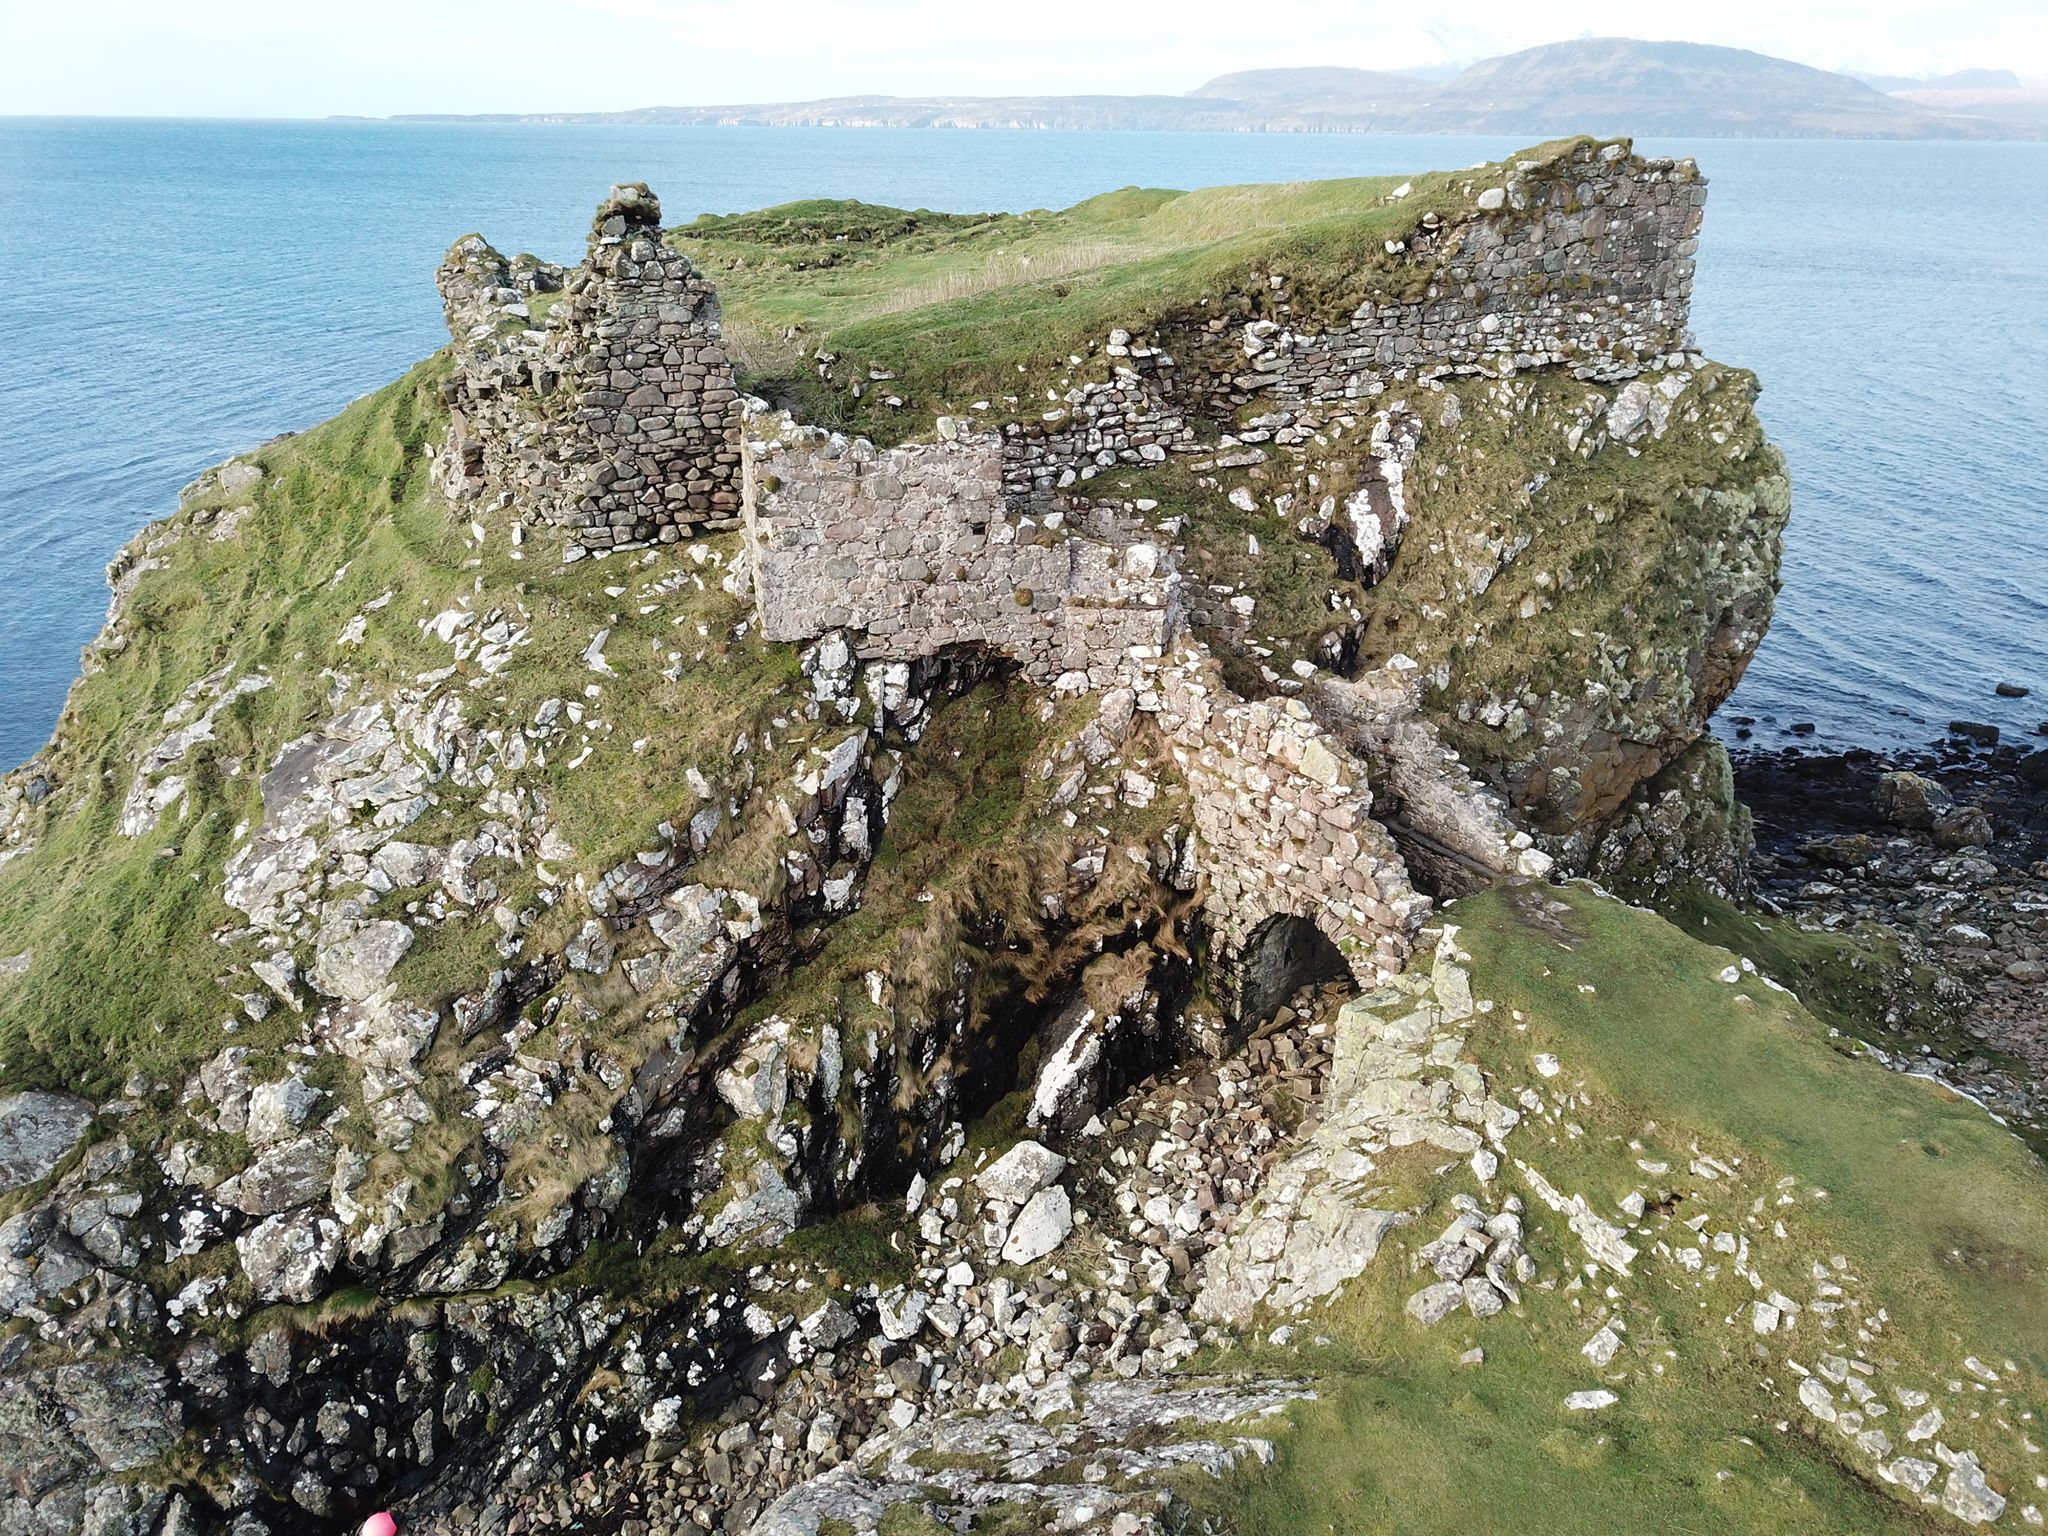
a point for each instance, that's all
(614, 416)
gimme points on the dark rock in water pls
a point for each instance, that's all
(2011, 691)
(1802, 728)
(1831, 769)
(1974, 730)
(1966, 826)
(1846, 850)
(1911, 800)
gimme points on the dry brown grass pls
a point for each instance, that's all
(765, 351)
(1001, 269)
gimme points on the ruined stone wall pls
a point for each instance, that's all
(1129, 419)
(1584, 263)
(1282, 814)
(614, 419)
(912, 550)
(617, 418)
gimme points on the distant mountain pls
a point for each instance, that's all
(1622, 85)
(1066, 112)
(1323, 87)
(1960, 80)
(1612, 85)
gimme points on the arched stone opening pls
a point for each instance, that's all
(1284, 954)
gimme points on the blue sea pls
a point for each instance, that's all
(172, 292)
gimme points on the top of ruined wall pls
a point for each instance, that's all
(1583, 261)
(1580, 260)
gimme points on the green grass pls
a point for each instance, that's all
(1855, 979)
(123, 966)
(1939, 1212)
(960, 308)
(852, 1248)
(837, 1252)
(126, 971)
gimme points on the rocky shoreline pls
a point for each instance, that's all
(1948, 848)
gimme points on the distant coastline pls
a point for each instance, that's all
(1597, 85)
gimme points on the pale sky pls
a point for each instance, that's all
(312, 58)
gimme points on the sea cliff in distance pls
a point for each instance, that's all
(1597, 85)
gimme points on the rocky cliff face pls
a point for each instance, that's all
(559, 884)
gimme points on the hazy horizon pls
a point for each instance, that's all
(380, 58)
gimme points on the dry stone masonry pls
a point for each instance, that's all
(615, 417)
(913, 549)
(1283, 832)
(1584, 262)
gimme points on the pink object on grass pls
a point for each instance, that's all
(380, 1524)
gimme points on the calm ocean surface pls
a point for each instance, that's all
(177, 291)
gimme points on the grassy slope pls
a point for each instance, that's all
(1940, 1213)
(119, 927)
(1857, 980)
(124, 968)
(999, 307)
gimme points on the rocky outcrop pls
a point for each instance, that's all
(1011, 1462)
(1397, 1079)
(37, 1132)
(1682, 829)
(1452, 828)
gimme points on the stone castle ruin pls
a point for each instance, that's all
(615, 418)
(602, 1110)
